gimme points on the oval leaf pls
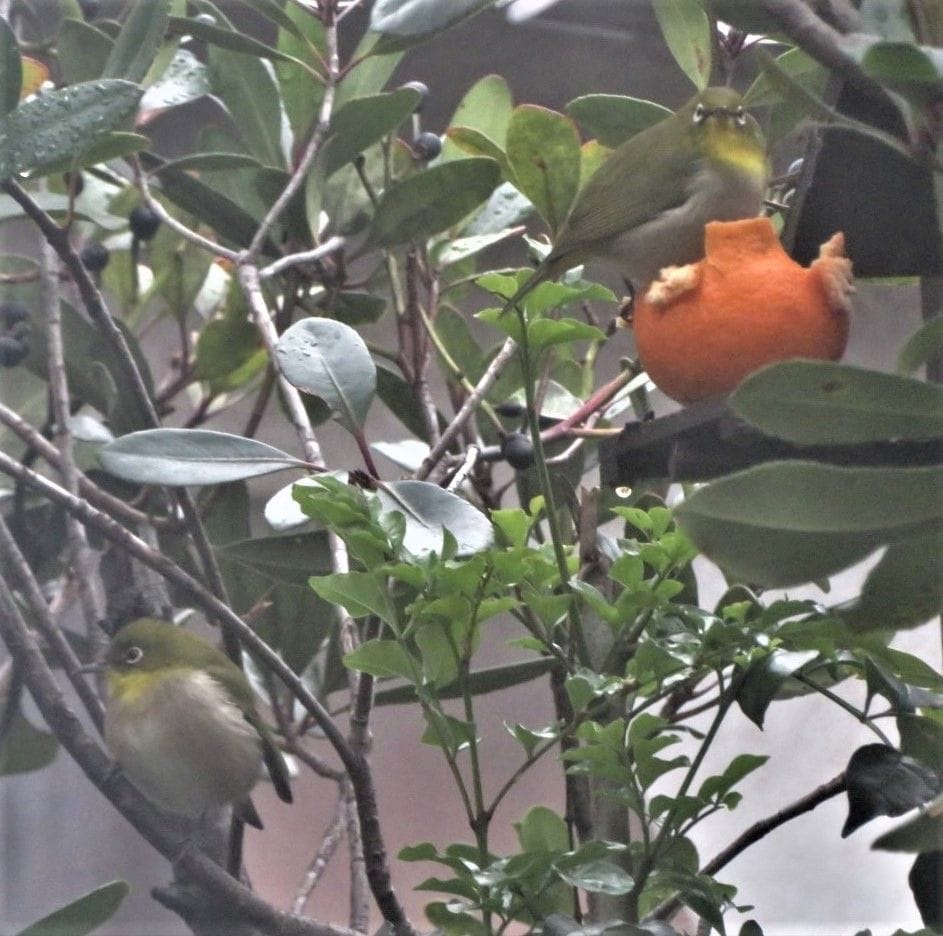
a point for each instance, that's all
(789, 522)
(137, 43)
(824, 403)
(330, 360)
(433, 200)
(430, 511)
(58, 125)
(83, 915)
(543, 149)
(687, 31)
(178, 457)
(613, 118)
(416, 19)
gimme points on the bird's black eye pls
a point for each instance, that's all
(133, 655)
(700, 112)
(740, 115)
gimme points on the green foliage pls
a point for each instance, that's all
(400, 581)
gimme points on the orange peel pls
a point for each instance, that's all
(701, 328)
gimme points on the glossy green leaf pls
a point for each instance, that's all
(361, 593)
(788, 522)
(328, 359)
(363, 122)
(228, 354)
(184, 79)
(545, 332)
(485, 108)
(383, 658)
(904, 589)
(903, 66)
(399, 398)
(411, 21)
(137, 43)
(613, 118)
(471, 142)
(179, 457)
(83, 915)
(687, 31)
(301, 94)
(596, 877)
(430, 512)
(825, 403)
(542, 830)
(11, 69)
(52, 127)
(228, 39)
(113, 145)
(82, 50)
(763, 679)
(543, 149)
(24, 748)
(922, 346)
(433, 200)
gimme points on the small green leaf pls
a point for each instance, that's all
(11, 69)
(55, 126)
(542, 831)
(825, 403)
(383, 658)
(433, 200)
(364, 121)
(24, 748)
(762, 680)
(922, 346)
(137, 43)
(228, 39)
(179, 457)
(329, 360)
(543, 149)
(596, 877)
(546, 332)
(361, 594)
(83, 915)
(687, 31)
(613, 118)
(486, 109)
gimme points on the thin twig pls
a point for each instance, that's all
(326, 851)
(331, 245)
(465, 469)
(497, 365)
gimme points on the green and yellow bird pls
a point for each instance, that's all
(646, 206)
(181, 721)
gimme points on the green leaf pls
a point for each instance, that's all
(112, 145)
(430, 512)
(94, 374)
(364, 121)
(138, 42)
(789, 522)
(304, 40)
(825, 403)
(923, 345)
(764, 677)
(411, 21)
(81, 51)
(24, 748)
(83, 915)
(433, 200)
(329, 360)
(904, 589)
(179, 457)
(543, 149)
(383, 658)
(687, 31)
(227, 39)
(11, 69)
(613, 118)
(542, 831)
(486, 109)
(362, 595)
(923, 833)
(903, 67)
(57, 125)
(596, 877)
(184, 79)
(401, 401)
(545, 332)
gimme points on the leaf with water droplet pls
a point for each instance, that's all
(60, 125)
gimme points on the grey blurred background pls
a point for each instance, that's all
(60, 837)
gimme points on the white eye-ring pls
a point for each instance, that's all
(700, 112)
(133, 655)
(740, 115)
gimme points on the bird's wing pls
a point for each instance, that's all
(609, 205)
